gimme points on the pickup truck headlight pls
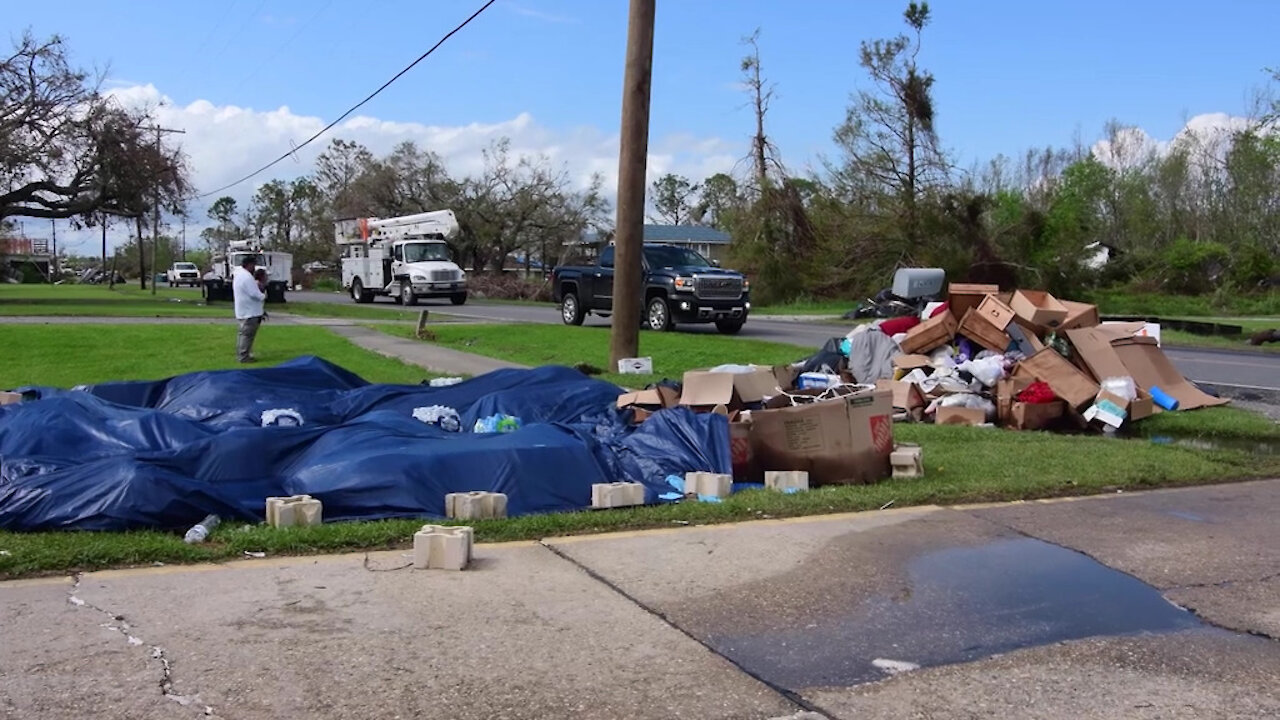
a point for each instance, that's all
(419, 278)
(684, 283)
(746, 284)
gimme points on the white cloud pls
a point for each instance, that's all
(225, 143)
(1203, 136)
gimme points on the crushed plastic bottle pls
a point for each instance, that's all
(201, 530)
(497, 424)
(446, 418)
(444, 381)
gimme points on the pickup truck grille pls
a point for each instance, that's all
(717, 288)
(444, 275)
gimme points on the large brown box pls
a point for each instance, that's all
(843, 441)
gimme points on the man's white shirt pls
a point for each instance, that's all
(248, 297)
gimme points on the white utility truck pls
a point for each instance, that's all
(184, 273)
(279, 267)
(406, 258)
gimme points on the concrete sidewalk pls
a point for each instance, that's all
(1005, 609)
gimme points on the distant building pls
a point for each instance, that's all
(709, 242)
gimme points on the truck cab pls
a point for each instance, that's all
(680, 287)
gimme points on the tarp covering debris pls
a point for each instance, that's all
(167, 453)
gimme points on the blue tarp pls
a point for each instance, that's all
(164, 454)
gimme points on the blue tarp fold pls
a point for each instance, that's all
(166, 453)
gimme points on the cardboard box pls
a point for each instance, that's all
(635, 366)
(1035, 416)
(976, 327)
(960, 416)
(1149, 367)
(930, 334)
(1108, 409)
(907, 396)
(995, 312)
(962, 296)
(911, 362)
(654, 398)
(1039, 308)
(1006, 390)
(1067, 382)
(10, 398)
(743, 459)
(1080, 315)
(707, 389)
(843, 441)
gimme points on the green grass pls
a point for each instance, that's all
(68, 355)
(1125, 302)
(1178, 338)
(98, 300)
(806, 307)
(961, 465)
(672, 353)
(1216, 423)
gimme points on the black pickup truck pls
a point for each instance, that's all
(680, 286)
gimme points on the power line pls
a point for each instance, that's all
(353, 108)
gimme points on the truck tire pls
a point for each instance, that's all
(458, 298)
(358, 292)
(406, 295)
(571, 311)
(729, 327)
(657, 314)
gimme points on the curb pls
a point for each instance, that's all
(1249, 393)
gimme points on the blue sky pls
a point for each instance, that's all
(1010, 75)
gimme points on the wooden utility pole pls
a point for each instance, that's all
(54, 275)
(155, 209)
(633, 151)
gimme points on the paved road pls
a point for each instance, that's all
(1041, 610)
(1218, 367)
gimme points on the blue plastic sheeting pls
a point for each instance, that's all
(164, 454)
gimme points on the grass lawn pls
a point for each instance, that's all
(961, 465)
(68, 355)
(672, 353)
(1125, 302)
(806, 307)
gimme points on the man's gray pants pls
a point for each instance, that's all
(244, 341)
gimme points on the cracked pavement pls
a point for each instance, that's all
(770, 619)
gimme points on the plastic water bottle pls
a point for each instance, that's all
(201, 530)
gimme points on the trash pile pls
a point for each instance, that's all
(1022, 360)
(169, 453)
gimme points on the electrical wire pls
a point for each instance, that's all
(353, 108)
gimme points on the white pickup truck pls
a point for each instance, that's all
(184, 273)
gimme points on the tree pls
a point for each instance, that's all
(888, 138)
(69, 151)
(225, 212)
(673, 198)
(763, 153)
(719, 200)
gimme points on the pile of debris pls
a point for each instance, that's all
(1023, 360)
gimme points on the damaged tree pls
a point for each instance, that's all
(69, 151)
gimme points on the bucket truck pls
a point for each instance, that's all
(406, 258)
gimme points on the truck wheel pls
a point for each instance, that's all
(658, 315)
(571, 310)
(406, 295)
(357, 292)
(729, 327)
(458, 298)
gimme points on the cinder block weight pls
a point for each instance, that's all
(299, 510)
(618, 494)
(709, 484)
(907, 461)
(475, 505)
(441, 547)
(786, 480)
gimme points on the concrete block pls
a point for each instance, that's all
(710, 484)
(786, 480)
(300, 510)
(618, 494)
(907, 461)
(440, 547)
(475, 505)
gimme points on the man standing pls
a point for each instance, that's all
(248, 301)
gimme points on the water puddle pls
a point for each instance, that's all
(961, 604)
(1257, 447)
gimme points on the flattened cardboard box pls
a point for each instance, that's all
(1149, 367)
(960, 416)
(1062, 377)
(838, 442)
(706, 389)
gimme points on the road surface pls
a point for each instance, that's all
(1216, 367)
